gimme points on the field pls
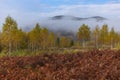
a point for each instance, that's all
(92, 65)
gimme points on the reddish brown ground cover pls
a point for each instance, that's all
(93, 65)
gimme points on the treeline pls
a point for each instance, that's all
(98, 37)
(14, 39)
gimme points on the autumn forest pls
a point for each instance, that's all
(39, 38)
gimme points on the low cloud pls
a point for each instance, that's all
(106, 10)
(27, 18)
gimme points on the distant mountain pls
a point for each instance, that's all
(72, 23)
(98, 18)
(65, 25)
(64, 17)
(57, 17)
(68, 26)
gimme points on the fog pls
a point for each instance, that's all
(73, 25)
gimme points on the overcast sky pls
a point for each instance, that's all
(26, 12)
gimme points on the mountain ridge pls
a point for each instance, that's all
(66, 17)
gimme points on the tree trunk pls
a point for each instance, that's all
(96, 44)
(10, 48)
(111, 44)
(83, 44)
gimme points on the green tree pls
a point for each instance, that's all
(57, 43)
(83, 34)
(71, 43)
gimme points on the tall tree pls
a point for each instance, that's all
(96, 33)
(22, 40)
(71, 42)
(57, 42)
(104, 38)
(44, 38)
(112, 36)
(35, 37)
(83, 34)
(51, 40)
(8, 31)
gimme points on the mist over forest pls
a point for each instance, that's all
(59, 39)
(72, 23)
